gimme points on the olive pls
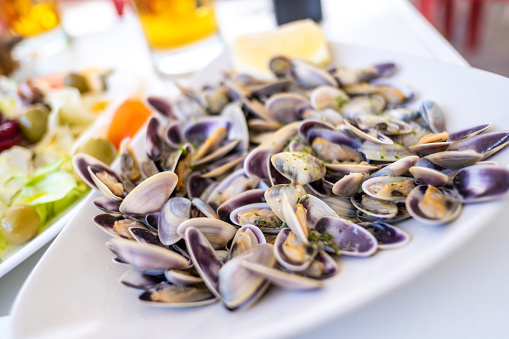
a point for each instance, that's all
(78, 81)
(99, 148)
(34, 123)
(20, 223)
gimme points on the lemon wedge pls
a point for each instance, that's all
(303, 39)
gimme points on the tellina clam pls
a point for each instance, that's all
(203, 215)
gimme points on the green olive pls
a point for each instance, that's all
(20, 223)
(100, 149)
(34, 123)
(78, 81)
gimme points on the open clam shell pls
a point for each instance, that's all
(374, 207)
(300, 167)
(82, 162)
(351, 239)
(239, 287)
(287, 262)
(274, 197)
(249, 197)
(388, 188)
(450, 206)
(316, 209)
(387, 236)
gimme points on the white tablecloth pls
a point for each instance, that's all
(461, 297)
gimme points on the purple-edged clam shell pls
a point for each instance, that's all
(204, 258)
(271, 88)
(173, 135)
(275, 177)
(234, 215)
(300, 167)
(106, 221)
(245, 198)
(166, 295)
(161, 105)
(196, 185)
(397, 168)
(107, 205)
(137, 279)
(322, 267)
(388, 236)
(350, 184)
(204, 208)
(481, 183)
(316, 209)
(143, 235)
(284, 260)
(182, 278)
(454, 159)
(319, 188)
(217, 231)
(372, 135)
(430, 148)
(82, 162)
(351, 239)
(146, 256)
(150, 195)
(454, 206)
(429, 176)
(174, 212)
(274, 197)
(246, 237)
(283, 279)
(337, 137)
(154, 142)
(199, 131)
(239, 287)
(433, 116)
(486, 144)
(309, 75)
(386, 210)
(469, 132)
(307, 125)
(266, 149)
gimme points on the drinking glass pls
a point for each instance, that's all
(181, 34)
(38, 22)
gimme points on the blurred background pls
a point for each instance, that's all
(478, 29)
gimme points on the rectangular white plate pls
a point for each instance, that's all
(74, 290)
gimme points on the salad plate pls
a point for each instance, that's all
(122, 84)
(74, 291)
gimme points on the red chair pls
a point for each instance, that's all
(428, 9)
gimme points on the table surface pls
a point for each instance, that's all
(462, 296)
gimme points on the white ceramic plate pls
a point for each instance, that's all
(74, 290)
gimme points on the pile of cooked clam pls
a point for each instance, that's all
(251, 183)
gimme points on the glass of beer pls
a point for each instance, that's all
(38, 22)
(181, 34)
